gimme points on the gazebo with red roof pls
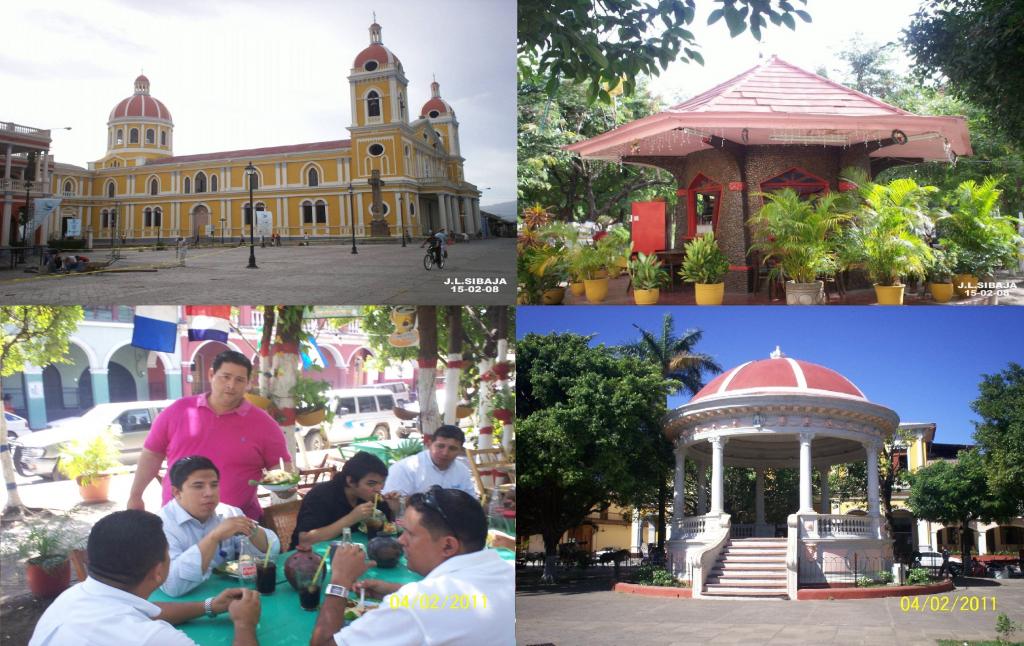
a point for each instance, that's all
(774, 126)
(775, 413)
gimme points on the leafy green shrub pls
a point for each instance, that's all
(704, 262)
(917, 576)
(884, 577)
(652, 575)
(1005, 627)
(863, 582)
(664, 578)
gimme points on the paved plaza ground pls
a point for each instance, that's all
(588, 613)
(289, 275)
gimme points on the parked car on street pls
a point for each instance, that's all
(358, 413)
(400, 388)
(37, 453)
(933, 561)
(16, 426)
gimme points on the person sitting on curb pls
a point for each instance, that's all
(128, 560)
(202, 532)
(444, 541)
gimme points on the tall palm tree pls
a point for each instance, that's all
(675, 357)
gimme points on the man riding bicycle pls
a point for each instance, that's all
(438, 245)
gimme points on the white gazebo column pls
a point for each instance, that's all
(826, 498)
(702, 488)
(679, 486)
(717, 474)
(806, 506)
(872, 456)
(759, 498)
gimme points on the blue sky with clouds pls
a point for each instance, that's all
(924, 363)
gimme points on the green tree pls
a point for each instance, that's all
(1000, 433)
(674, 357)
(956, 493)
(36, 335)
(576, 188)
(588, 423)
(977, 46)
(601, 42)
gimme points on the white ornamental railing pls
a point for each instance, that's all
(691, 526)
(838, 526)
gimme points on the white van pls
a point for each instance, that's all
(358, 413)
(400, 388)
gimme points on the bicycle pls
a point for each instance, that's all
(433, 257)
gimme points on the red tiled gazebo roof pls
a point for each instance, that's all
(780, 103)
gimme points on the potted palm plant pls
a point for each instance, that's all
(648, 277)
(940, 275)
(311, 404)
(589, 263)
(47, 546)
(88, 460)
(705, 266)
(889, 228)
(800, 236)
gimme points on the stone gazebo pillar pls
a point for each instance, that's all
(679, 490)
(806, 506)
(717, 474)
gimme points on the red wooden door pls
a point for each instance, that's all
(648, 226)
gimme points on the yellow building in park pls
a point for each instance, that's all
(141, 191)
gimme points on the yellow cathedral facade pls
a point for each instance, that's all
(140, 191)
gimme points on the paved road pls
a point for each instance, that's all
(565, 617)
(290, 275)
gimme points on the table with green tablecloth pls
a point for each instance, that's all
(282, 620)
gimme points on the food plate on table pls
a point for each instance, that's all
(228, 568)
(354, 610)
(389, 529)
(277, 480)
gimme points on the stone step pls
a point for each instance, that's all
(749, 567)
(746, 592)
(747, 551)
(768, 541)
(729, 582)
(753, 558)
(748, 574)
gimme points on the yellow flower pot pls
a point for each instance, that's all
(646, 296)
(577, 289)
(964, 284)
(596, 289)
(553, 296)
(311, 417)
(712, 294)
(258, 400)
(941, 292)
(889, 295)
(602, 273)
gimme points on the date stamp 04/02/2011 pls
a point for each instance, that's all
(966, 603)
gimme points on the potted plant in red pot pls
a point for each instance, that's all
(47, 546)
(504, 405)
(88, 460)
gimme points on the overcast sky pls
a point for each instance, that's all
(811, 45)
(258, 73)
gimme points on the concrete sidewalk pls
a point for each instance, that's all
(564, 618)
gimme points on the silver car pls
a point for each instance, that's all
(16, 426)
(37, 453)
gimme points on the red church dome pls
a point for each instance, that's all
(375, 53)
(436, 106)
(141, 104)
(780, 375)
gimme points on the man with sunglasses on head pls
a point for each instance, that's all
(466, 595)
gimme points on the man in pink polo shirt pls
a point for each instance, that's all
(239, 438)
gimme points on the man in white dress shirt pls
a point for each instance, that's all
(467, 596)
(202, 532)
(437, 465)
(128, 560)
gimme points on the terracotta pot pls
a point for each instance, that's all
(462, 412)
(96, 490)
(258, 401)
(889, 294)
(47, 584)
(941, 292)
(646, 296)
(805, 293)
(503, 415)
(301, 561)
(597, 289)
(965, 284)
(553, 296)
(577, 289)
(712, 294)
(310, 417)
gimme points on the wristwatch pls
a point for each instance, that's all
(336, 590)
(208, 607)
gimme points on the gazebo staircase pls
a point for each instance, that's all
(749, 567)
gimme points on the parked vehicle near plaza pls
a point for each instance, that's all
(358, 413)
(16, 426)
(933, 561)
(401, 389)
(37, 453)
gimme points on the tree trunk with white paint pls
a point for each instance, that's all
(426, 317)
(7, 465)
(454, 370)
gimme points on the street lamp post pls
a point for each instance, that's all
(352, 215)
(401, 218)
(113, 229)
(250, 173)
(223, 220)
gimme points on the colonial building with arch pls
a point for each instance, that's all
(141, 191)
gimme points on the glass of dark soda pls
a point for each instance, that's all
(266, 577)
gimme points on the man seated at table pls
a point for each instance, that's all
(434, 466)
(202, 532)
(444, 538)
(128, 560)
(343, 501)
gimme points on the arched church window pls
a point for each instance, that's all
(373, 104)
(133, 136)
(321, 212)
(157, 217)
(154, 186)
(314, 177)
(150, 136)
(188, 185)
(147, 217)
(213, 183)
(376, 150)
(163, 138)
(201, 182)
(307, 213)
(120, 136)
(110, 189)
(69, 188)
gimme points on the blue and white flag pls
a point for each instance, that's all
(42, 207)
(156, 327)
(315, 358)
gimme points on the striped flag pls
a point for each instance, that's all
(315, 358)
(208, 322)
(155, 327)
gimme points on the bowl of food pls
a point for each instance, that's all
(277, 480)
(354, 610)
